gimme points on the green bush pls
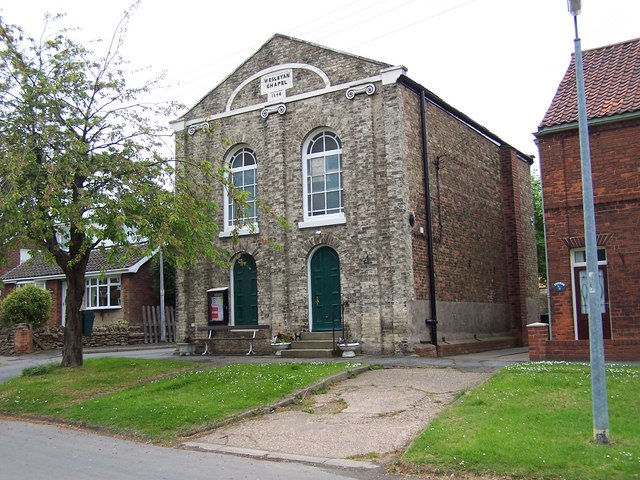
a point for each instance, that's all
(28, 304)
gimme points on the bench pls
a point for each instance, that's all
(211, 339)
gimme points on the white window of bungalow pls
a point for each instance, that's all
(102, 292)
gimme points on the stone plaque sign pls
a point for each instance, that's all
(275, 84)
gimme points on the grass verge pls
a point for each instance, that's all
(534, 421)
(156, 400)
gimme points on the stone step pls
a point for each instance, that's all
(311, 344)
(321, 335)
(308, 353)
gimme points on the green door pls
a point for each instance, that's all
(325, 290)
(245, 291)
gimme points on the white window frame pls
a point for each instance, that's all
(95, 284)
(575, 263)
(337, 218)
(230, 225)
(38, 283)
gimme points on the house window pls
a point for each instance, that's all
(244, 178)
(38, 283)
(102, 292)
(323, 184)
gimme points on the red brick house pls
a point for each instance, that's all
(612, 79)
(115, 291)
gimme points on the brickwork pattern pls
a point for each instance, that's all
(615, 149)
(541, 348)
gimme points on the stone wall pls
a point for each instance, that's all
(375, 265)
(52, 338)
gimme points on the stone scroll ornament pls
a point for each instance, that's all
(368, 88)
(266, 111)
(204, 126)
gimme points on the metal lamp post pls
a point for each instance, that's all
(163, 320)
(596, 344)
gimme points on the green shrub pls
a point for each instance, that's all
(28, 304)
(38, 370)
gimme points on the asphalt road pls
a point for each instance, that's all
(33, 450)
(12, 366)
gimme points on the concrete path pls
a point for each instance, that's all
(370, 416)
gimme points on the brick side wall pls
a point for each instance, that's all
(514, 242)
(615, 154)
(138, 290)
(468, 191)
(467, 212)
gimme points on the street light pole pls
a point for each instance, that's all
(596, 347)
(163, 320)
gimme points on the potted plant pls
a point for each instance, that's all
(348, 347)
(187, 346)
(281, 341)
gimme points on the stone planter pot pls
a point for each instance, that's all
(279, 347)
(186, 348)
(348, 349)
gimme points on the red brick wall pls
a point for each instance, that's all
(138, 290)
(467, 212)
(484, 248)
(11, 260)
(541, 348)
(55, 288)
(615, 157)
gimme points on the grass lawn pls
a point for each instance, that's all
(534, 421)
(155, 400)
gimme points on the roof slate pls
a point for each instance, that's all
(37, 267)
(612, 84)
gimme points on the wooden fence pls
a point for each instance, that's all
(151, 324)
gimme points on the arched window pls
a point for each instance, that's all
(323, 185)
(243, 170)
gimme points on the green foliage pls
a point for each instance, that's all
(538, 217)
(535, 421)
(157, 400)
(28, 304)
(37, 370)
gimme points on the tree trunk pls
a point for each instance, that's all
(72, 348)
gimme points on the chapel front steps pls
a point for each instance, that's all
(313, 345)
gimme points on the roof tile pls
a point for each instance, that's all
(38, 267)
(612, 84)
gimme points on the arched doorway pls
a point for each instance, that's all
(324, 300)
(245, 290)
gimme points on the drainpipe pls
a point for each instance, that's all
(430, 322)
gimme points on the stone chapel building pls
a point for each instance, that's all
(402, 211)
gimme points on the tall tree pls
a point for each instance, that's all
(538, 217)
(79, 163)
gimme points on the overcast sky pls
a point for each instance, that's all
(498, 61)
